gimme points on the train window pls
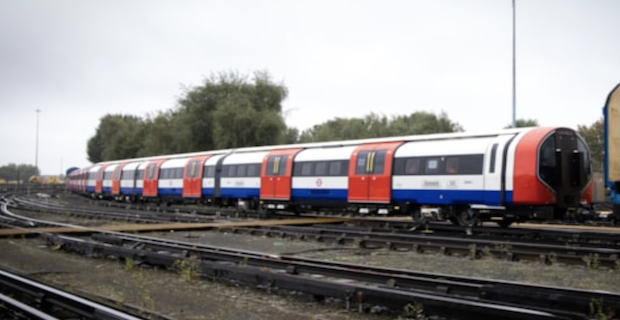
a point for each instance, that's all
(452, 165)
(108, 175)
(229, 171)
(493, 156)
(306, 168)
(209, 172)
(140, 174)
(432, 166)
(128, 175)
(193, 169)
(378, 161)
(276, 165)
(320, 169)
(548, 164)
(178, 173)
(163, 174)
(335, 168)
(254, 170)
(412, 166)
(361, 166)
(150, 171)
(241, 170)
(282, 166)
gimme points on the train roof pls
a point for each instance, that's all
(328, 144)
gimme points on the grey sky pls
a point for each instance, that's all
(78, 60)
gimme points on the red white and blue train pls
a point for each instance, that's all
(506, 176)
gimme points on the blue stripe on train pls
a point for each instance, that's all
(167, 192)
(320, 194)
(491, 198)
(240, 193)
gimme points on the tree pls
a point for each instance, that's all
(594, 136)
(375, 126)
(116, 137)
(230, 111)
(15, 172)
(523, 123)
(160, 135)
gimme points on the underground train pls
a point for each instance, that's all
(505, 176)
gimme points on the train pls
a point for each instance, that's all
(506, 176)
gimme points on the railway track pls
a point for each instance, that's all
(357, 285)
(24, 298)
(594, 249)
(474, 247)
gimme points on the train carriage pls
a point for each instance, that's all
(170, 182)
(321, 177)
(129, 189)
(106, 182)
(241, 177)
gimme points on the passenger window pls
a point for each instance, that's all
(306, 169)
(321, 169)
(334, 168)
(452, 165)
(412, 166)
(209, 172)
(432, 166)
(241, 170)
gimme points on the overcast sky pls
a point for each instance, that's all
(78, 60)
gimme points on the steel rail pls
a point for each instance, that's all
(47, 299)
(560, 302)
(464, 245)
(155, 217)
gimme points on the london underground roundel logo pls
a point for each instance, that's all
(319, 182)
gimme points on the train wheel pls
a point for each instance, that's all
(467, 217)
(417, 216)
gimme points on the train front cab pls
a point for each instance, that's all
(552, 173)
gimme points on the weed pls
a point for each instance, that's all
(413, 311)
(486, 252)
(130, 263)
(552, 258)
(592, 261)
(187, 269)
(597, 310)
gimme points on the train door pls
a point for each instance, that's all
(116, 179)
(276, 177)
(370, 172)
(192, 177)
(151, 178)
(99, 179)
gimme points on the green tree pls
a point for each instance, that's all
(594, 136)
(375, 126)
(116, 137)
(18, 172)
(524, 123)
(230, 111)
(422, 122)
(159, 137)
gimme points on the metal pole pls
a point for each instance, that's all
(514, 67)
(36, 154)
